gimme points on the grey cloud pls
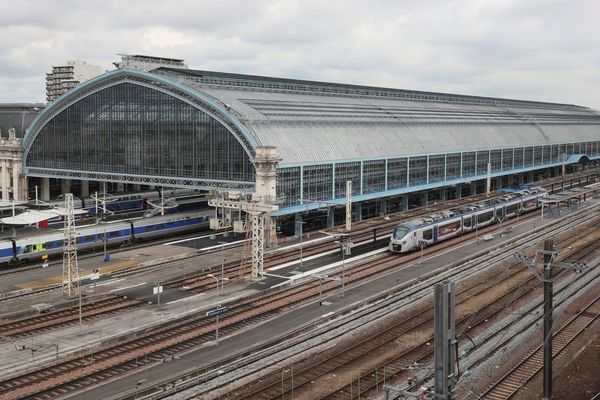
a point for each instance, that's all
(535, 49)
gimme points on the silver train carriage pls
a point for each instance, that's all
(92, 237)
(432, 228)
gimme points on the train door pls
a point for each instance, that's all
(501, 213)
(467, 224)
(14, 250)
(132, 232)
(427, 235)
(435, 233)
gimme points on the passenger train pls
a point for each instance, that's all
(92, 237)
(432, 228)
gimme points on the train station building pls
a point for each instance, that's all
(400, 148)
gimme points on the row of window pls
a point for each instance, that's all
(318, 87)
(133, 129)
(326, 181)
(37, 247)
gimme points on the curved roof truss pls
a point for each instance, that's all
(198, 100)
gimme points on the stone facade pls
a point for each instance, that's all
(13, 184)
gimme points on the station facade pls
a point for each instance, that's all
(191, 128)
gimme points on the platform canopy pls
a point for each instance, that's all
(32, 217)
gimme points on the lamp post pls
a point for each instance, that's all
(223, 244)
(283, 372)
(344, 243)
(321, 277)
(79, 290)
(104, 242)
(343, 271)
(301, 244)
(217, 307)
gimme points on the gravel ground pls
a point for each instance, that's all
(495, 367)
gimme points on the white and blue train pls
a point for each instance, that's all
(433, 228)
(92, 237)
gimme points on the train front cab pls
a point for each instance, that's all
(403, 239)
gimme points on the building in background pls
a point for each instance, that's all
(15, 118)
(64, 77)
(148, 63)
(18, 116)
(13, 184)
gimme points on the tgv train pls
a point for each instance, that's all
(432, 228)
(128, 201)
(92, 237)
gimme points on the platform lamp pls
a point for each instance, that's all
(217, 306)
(301, 244)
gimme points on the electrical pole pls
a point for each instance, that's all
(547, 277)
(548, 292)
(444, 340)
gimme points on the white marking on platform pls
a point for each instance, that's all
(194, 238)
(278, 276)
(327, 315)
(109, 282)
(304, 243)
(127, 287)
(337, 250)
(185, 298)
(222, 245)
(287, 264)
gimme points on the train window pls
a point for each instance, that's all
(400, 231)
(448, 228)
(467, 222)
(512, 208)
(28, 249)
(149, 228)
(113, 234)
(485, 217)
(428, 234)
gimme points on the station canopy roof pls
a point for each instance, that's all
(31, 217)
(310, 122)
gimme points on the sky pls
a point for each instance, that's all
(524, 49)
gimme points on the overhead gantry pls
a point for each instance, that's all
(259, 207)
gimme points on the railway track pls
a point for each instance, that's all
(363, 231)
(471, 269)
(531, 365)
(307, 374)
(58, 319)
(70, 375)
(53, 380)
(424, 354)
